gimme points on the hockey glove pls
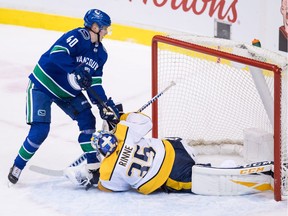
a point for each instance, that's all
(111, 113)
(94, 180)
(83, 77)
(110, 126)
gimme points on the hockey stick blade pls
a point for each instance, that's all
(56, 173)
(46, 171)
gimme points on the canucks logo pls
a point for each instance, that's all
(72, 81)
(98, 13)
(41, 112)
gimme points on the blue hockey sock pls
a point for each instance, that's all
(85, 142)
(26, 151)
(37, 134)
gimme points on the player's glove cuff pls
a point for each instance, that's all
(109, 113)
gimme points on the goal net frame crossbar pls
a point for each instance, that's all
(231, 57)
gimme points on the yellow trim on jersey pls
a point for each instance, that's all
(176, 185)
(102, 188)
(125, 115)
(108, 164)
(159, 179)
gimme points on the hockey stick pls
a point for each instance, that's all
(156, 97)
(101, 102)
(111, 126)
(51, 172)
(46, 171)
(95, 95)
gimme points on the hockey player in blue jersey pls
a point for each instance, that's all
(73, 63)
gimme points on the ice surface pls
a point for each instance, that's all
(127, 79)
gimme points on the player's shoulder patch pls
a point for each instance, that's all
(85, 33)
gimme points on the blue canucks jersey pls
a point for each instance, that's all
(53, 73)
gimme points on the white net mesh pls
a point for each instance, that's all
(215, 99)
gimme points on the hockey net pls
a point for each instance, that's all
(222, 89)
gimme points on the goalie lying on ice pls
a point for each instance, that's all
(131, 161)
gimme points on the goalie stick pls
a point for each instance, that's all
(82, 158)
(156, 97)
(112, 125)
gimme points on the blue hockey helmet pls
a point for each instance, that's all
(105, 141)
(96, 16)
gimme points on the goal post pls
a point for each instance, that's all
(223, 88)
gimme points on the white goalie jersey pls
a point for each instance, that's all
(139, 163)
(145, 164)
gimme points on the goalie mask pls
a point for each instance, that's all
(105, 142)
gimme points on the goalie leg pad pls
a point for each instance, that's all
(230, 181)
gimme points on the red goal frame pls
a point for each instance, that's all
(205, 50)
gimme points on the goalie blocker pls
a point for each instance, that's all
(242, 180)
